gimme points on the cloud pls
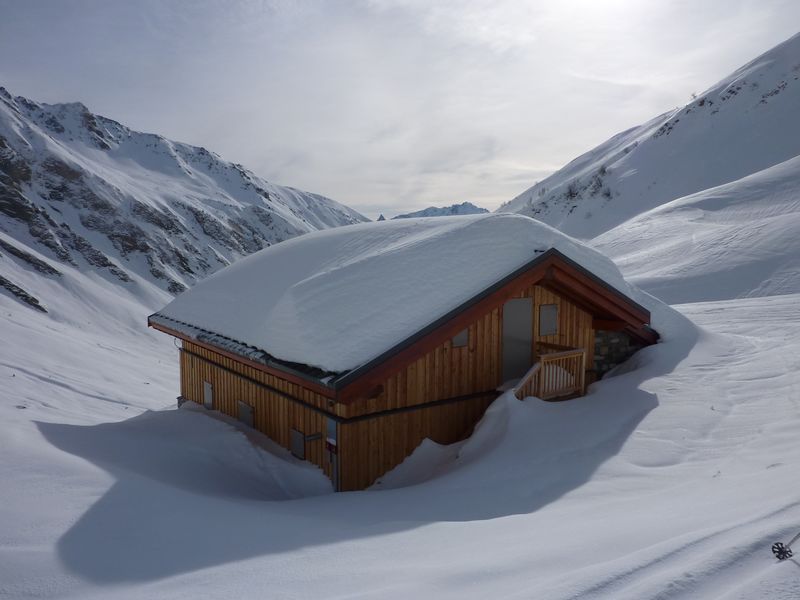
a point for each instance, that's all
(399, 104)
(499, 25)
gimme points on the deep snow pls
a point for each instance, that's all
(336, 299)
(736, 240)
(669, 480)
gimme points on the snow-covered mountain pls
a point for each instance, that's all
(465, 208)
(82, 192)
(684, 454)
(739, 239)
(745, 123)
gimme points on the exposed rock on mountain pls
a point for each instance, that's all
(465, 208)
(745, 123)
(85, 191)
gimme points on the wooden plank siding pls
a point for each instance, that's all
(369, 448)
(274, 414)
(372, 447)
(575, 328)
(371, 440)
(445, 372)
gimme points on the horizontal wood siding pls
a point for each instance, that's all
(274, 414)
(370, 448)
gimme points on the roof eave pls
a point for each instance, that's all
(268, 365)
(333, 387)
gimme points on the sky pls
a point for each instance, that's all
(386, 105)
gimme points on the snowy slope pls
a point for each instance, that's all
(372, 284)
(743, 124)
(465, 208)
(736, 240)
(88, 193)
(668, 481)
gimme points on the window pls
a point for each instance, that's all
(548, 319)
(245, 413)
(461, 339)
(297, 443)
(208, 395)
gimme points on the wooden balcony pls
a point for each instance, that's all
(557, 375)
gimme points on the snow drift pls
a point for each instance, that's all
(740, 239)
(336, 299)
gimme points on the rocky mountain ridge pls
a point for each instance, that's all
(85, 191)
(465, 208)
(745, 123)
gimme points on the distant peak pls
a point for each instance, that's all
(465, 208)
(79, 107)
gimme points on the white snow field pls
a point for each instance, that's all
(736, 240)
(299, 299)
(743, 124)
(669, 480)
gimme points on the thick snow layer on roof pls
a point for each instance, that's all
(336, 299)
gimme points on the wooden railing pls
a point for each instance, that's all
(557, 374)
(528, 385)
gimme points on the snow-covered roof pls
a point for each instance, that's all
(336, 299)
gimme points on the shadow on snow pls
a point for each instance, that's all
(183, 503)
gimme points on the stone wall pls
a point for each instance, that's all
(612, 348)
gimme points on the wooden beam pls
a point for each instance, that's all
(608, 325)
(583, 287)
(644, 334)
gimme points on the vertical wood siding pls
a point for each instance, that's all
(273, 414)
(574, 324)
(445, 372)
(370, 447)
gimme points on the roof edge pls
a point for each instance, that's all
(351, 376)
(334, 382)
(255, 356)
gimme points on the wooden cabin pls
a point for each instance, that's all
(530, 325)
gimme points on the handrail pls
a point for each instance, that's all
(528, 381)
(552, 346)
(553, 355)
(555, 375)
